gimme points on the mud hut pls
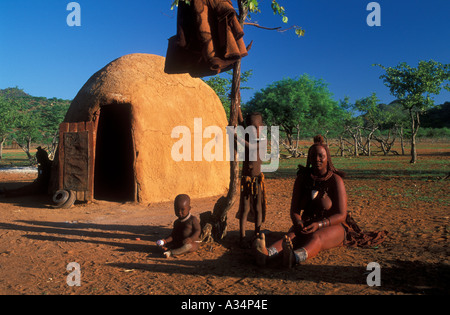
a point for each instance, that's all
(116, 140)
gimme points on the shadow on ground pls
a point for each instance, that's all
(412, 277)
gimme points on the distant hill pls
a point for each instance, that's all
(18, 96)
(437, 117)
(13, 93)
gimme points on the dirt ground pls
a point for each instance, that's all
(114, 244)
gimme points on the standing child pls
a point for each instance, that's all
(252, 203)
(186, 230)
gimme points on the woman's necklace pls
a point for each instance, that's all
(317, 183)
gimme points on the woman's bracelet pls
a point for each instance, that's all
(324, 223)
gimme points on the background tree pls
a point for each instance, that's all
(51, 115)
(7, 121)
(30, 120)
(372, 118)
(395, 120)
(222, 86)
(28, 130)
(414, 87)
(299, 106)
(282, 104)
(351, 125)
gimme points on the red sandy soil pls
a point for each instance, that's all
(114, 244)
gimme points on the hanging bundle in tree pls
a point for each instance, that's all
(209, 39)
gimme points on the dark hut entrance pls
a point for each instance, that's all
(114, 159)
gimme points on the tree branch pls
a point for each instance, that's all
(263, 27)
(278, 29)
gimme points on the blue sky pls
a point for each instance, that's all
(41, 54)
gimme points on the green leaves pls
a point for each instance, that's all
(176, 2)
(253, 6)
(277, 9)
(414, 86)
(222, 86)
(304, 104)
(299, 31)
(7, 119)
(28, 119)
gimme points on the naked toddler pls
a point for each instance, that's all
(186, 230)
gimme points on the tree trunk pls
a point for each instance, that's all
(383, 148)
(413, 150)
(401, 140)
(2, 141)
(341, 145)
(216, 228)
(298, 139)
(360, 142)
(28, 152)
(289, 138)
(369, 140)
(26, 148)
(355, 138)
(415, 124)
(54, 145)
(325, 135)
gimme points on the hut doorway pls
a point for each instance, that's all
(114, 155)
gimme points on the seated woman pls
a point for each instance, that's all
(318, 213)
